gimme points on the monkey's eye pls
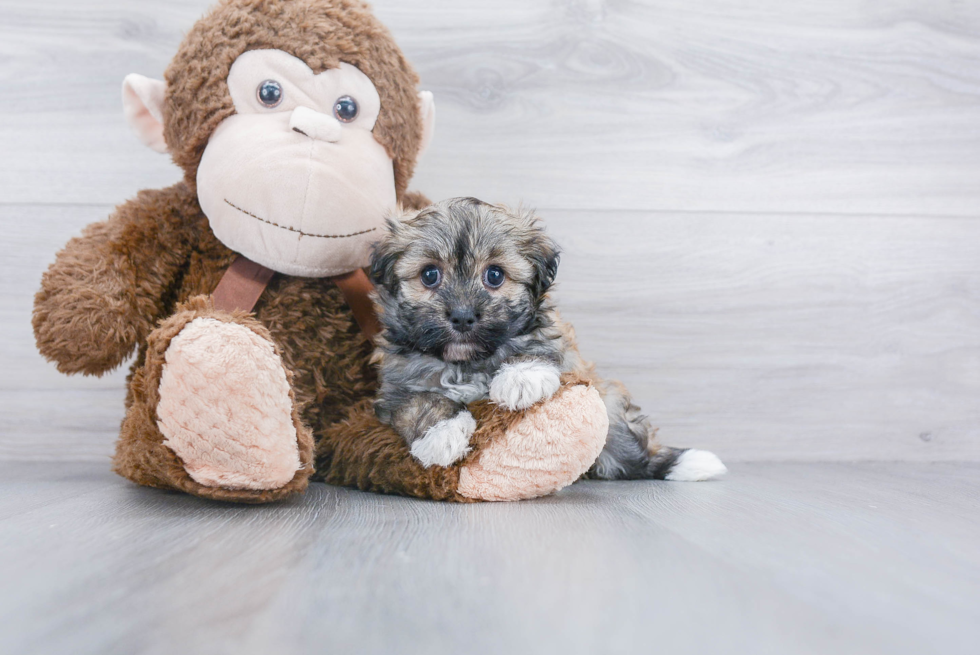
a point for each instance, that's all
(493, 277)
(431, 276)
(345, 109)
(269, 93)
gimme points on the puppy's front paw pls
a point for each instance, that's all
(445, 442)
(521, 384)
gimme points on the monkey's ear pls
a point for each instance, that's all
(428, 105)
(143, 107)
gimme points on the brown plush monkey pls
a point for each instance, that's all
(297, 124)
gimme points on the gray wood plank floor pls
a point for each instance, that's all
(777, 558)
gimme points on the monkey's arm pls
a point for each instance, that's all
(107, 288)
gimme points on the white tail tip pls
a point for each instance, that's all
(696, 465)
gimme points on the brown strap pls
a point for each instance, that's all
(241, 285)
(245, 280)
(356, 286)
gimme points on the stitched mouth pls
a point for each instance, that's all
(293, 229)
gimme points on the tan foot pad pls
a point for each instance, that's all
(225, 407)
(550, 448)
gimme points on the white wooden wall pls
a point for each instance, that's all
(770, 208)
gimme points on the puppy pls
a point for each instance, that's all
(462, 293)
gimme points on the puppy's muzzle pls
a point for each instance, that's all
(463, 319)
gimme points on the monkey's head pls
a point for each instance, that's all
(297, 121)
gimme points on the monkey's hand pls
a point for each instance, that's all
(519, 385)
(85, 315)
(104, 291)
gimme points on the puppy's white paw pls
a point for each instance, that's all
(521, 384)
(696, 465)
(445, 442)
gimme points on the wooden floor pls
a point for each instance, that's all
(777, 558)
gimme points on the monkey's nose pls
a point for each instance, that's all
(315, 125)
(463, 318)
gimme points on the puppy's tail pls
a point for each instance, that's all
(684, 464)
(632, 452)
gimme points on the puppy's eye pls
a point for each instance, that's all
(431, 276)
(269, 93)
(493, 277)
(345, 109)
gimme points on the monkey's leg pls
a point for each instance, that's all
(212, 411)
(519, 454)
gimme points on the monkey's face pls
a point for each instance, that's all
(462, 278)
(295, 180)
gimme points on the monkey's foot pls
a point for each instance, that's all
(548, 448)
(225, 408)
(211, 411)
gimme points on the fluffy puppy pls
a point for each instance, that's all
(462, 292)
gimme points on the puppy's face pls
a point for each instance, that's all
(461, 278)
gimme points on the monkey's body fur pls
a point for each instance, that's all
(141, 281)
(161, 243)
(307, 318)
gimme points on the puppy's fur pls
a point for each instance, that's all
(463, 339)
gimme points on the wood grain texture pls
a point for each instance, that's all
(785, 337)
(784, 558)
(758, 337)
(768, 208)
(666, 105)
(44, 414)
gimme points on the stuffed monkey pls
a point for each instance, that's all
(297, 124)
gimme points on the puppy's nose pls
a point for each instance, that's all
(463, 318)
(315, 125)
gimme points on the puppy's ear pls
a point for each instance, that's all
(384, 256)
(539, 249)
(544, 255)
